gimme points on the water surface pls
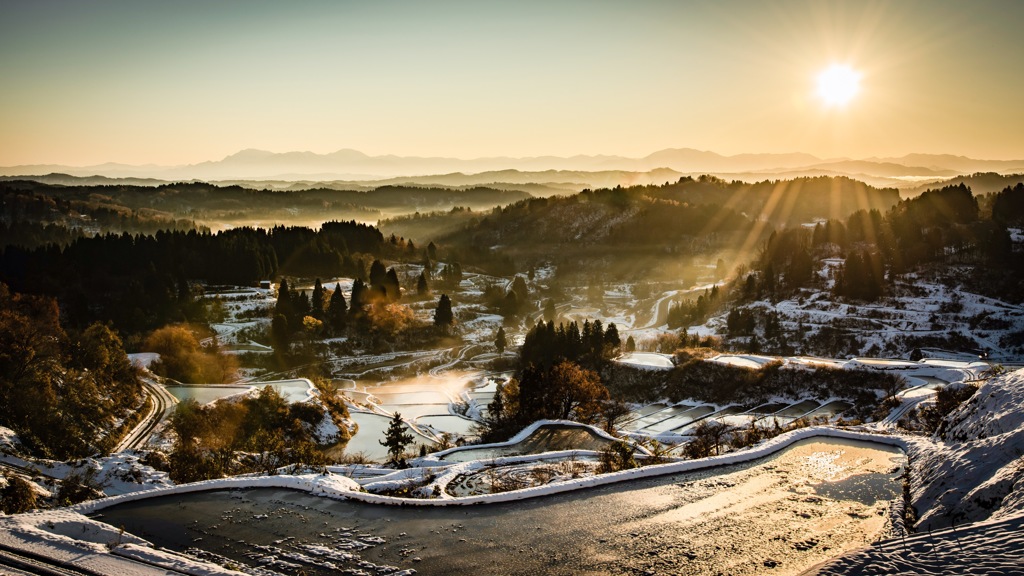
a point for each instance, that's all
(780, 515)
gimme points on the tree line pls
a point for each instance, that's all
(939, 226)
(143, 282)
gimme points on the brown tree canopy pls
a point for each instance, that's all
(182, 359)
(62, 393)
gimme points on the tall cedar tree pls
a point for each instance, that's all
(284, 304)
(549, 310)
(392, 287)
(443, 315)
(337, 310)
(422, 288)
(359, 298)
(499, 340)
(280, 335)
(378, 273)
(317, 302)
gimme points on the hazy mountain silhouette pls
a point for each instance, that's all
(959, 164)
(354, 166)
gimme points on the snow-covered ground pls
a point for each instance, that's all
(968, 490)
(965, 488)
(648, 360)
(957, 480)
(918, 310)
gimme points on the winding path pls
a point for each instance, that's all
(163, 403)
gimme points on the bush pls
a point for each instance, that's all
(18, 496)
(78, 487)
(617, 456)
(182, 359)
(932, 419)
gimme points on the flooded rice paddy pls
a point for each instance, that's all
(297, 390)
(779, 515)
(544, 439)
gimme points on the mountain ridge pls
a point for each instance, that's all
(351, 164)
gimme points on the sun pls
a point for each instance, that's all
(838, 85)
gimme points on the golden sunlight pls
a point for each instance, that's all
(838, 84)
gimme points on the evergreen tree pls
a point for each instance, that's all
(510, 305)
(443, 315)
(337, 310)
(549, 310)
(280, 335)
(359, 298)
(396, 439)
(519, 287)
(301, 305)
(317, 301)
(499, 340)
(630, 344)
(378, 273)
(284, 304)
(432, 251)
(422, 288)
(496, 409)
(392, 288)
(611, 338)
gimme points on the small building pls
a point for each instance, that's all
(265, 284)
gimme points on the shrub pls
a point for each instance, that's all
(18, 496)
(617, 456)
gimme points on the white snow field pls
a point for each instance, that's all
(648, 360)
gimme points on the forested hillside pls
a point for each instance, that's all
(35, 214)
(62, 391)
(656, 231)
(142, 282)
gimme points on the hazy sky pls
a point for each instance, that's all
(181, 82)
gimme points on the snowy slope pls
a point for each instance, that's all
(977, 473)
(968, 489)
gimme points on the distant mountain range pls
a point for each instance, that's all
(352, 166)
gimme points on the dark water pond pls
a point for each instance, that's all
(782, 514)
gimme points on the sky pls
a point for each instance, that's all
(169, 83)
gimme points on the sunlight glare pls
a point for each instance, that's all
(838, 84)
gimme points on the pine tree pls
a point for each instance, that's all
(422, 288)
(432, 251)
(301, 304)
(392, 287)
(358, 298)
(630, 344)
(549, 310)
(611, 339)
(499, 340)
(443, 315)
(284, 303)
(378, 273)
(510, 305)
(395, 440)
(317, 301)
(496, 409)
(280, 334)
(337, 309)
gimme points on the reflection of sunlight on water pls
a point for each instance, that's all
(451, 383)
(825, 465)
(425, 400)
